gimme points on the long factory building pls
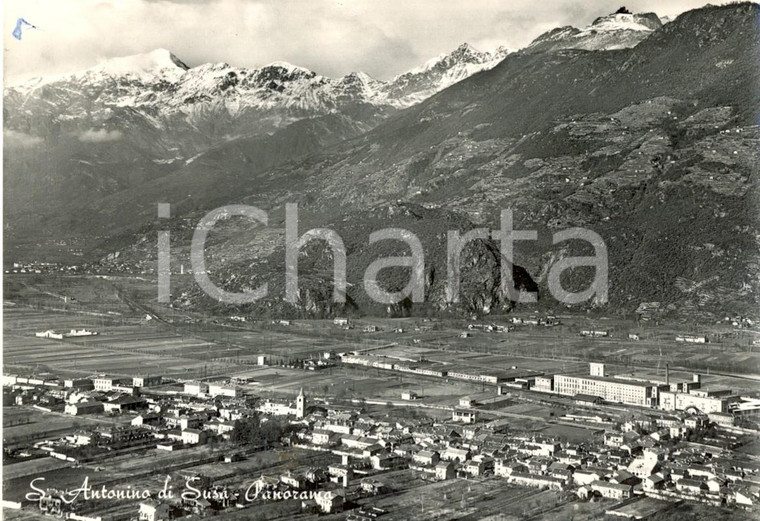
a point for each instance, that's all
(677, 396)
(440, 370)
(680, 396)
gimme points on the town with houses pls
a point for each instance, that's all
(648, 445)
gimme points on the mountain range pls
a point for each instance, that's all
(642, 131)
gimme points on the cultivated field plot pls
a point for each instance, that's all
(289, 381)
(89, 295)
(657, 346)
(430, 392)
(14, 489)
(573, 511)
(415, 499)
(686, 510)
(16, 416)
(26, 321)
(643, 508)
(69, 359)
(32, 468)
(96, 300)
(270, 463)
(45, 425)
(145, 348)
(280, 344)
(533, 409)
(406, 352)
(571, 433)
(355, 382)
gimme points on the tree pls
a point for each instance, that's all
(252, 431)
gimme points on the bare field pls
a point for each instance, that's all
(44, 425)
(141, 348)
(461, 499)
(128, 343)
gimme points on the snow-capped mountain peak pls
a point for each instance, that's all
(618, 30)
(464, 54)
(442, 72)
(465, 50)
(646, 22)
(160, 80)
(150, 62)
(146, 67)
(288, 69)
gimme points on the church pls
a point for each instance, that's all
(277, 407)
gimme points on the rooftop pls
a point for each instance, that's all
(606, 379)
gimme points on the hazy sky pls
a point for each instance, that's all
(380, 37)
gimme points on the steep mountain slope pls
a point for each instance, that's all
(654, 148)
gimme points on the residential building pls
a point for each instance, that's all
(321, 436)
(454, 454)
(723, 419)
(612, 490)
(105, 383)
(445, 470)
(124, 403)
(193, 436)
(89, 407)
(409, 395)
(691, 487)
(146, 381)
(217, 389)
(654, 482)
(79, 384)
(330, 501)
(464, 415)
(536, 480)
(426, 457)
(144, 420)
(587, 476)
(296, 481)
(196, 388)
(153, 511)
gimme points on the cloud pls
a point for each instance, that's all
(16, 139)
(332, 37)
(99, 136)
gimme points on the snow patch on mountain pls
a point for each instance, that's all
(442, 72)
(166, 92)
(151, 63)
(159, 64)
(619, 30)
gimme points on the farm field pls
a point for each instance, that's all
(143, 347)
(187, 346)
(39, 425)
(150, 347)
(415, 499)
